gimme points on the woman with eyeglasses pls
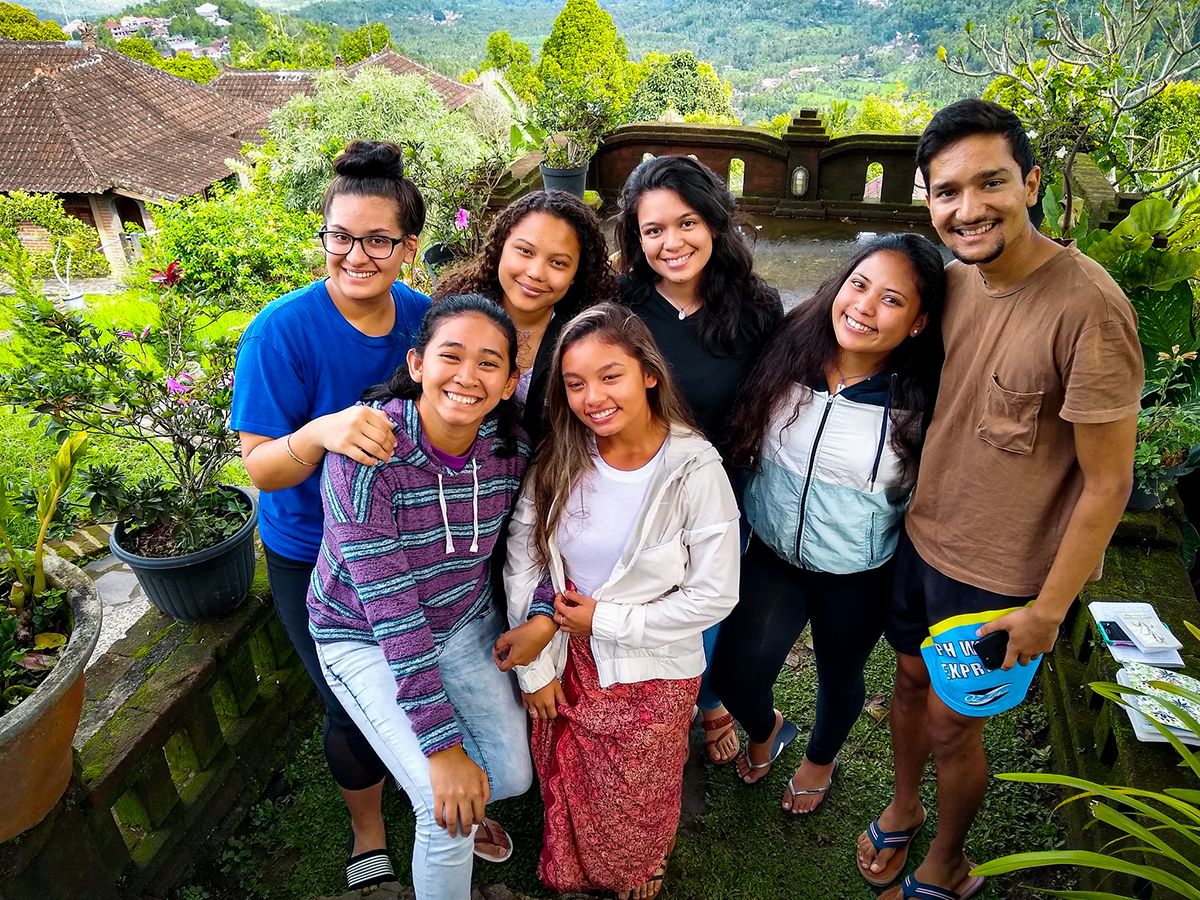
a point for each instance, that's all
(302, 365)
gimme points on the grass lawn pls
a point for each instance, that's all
(741, 846)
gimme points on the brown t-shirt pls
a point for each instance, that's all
(999, 478)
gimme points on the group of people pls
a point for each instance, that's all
(632, 481)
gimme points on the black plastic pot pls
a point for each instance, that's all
(438, 255)
(200, 585)
(572, 181)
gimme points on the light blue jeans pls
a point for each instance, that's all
(488, 712)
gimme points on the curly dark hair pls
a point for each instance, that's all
(595, 282)
(805, 345)
(739, 306)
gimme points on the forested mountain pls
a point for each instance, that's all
(775, 53)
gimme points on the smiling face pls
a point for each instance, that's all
(538, 262)
(606, 387)
(354, 277)
(464, 373)
(979, 201)
(877, 307)
(677, 242)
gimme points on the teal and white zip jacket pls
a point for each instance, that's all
(830, 492)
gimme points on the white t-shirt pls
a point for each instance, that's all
(602, 511)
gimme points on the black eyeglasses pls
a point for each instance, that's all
(376, 246)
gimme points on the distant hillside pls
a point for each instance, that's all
(777, 54)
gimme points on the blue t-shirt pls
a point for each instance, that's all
(298, 360)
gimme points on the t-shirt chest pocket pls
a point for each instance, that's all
(1010, 418)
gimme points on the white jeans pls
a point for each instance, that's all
(488, 712)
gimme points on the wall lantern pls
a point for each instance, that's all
(799, 181)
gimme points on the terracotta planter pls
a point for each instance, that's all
(35, 737)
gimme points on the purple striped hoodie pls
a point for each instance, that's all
(405, 558)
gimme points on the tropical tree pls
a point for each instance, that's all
(1081, 92)
(366, 41)
(141, 49)
(308, 132)
(512, 59)
(585, 58)
(19, 24)
(683, 85)
(896, 112)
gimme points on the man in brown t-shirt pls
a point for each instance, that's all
(1026, 468)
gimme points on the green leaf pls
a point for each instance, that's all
(1166, 318)
(1087, 859)
(1150, 216)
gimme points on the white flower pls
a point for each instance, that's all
(1061, 152)
(1031, 134)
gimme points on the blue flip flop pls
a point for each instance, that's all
(787, 733)
(889, 840)
(911, 889)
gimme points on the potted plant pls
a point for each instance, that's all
(49, 624)
(1168, 436)
(573, 122)
(166, 388)
(458, 198)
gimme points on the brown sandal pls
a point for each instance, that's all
(716, 731)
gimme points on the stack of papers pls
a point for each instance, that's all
(1118, 610)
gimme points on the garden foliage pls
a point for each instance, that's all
(19, 24)
(307, 133)
(683, 85)
(243, 248)
(166, 389)
(46, 211)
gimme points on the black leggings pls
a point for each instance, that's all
(777, 600)
(353, 763)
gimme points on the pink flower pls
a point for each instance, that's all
(462, 219)
(126, 335)
(145, 333)
(168, 277)
(174, 387)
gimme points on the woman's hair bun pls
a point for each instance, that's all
(370, 159)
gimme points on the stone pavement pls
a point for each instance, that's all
(122, 597)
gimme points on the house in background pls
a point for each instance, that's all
(274, 87)
(108, 134)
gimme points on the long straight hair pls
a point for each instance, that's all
(805, 346)
(565, 454)
(401, 385)
(738, 305)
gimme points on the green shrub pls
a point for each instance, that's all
(46, 211)
(242, 247)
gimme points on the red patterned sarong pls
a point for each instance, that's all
(611, 771)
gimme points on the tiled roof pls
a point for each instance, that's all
(273, 88)
(87, 120)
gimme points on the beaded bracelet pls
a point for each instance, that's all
(287, 443)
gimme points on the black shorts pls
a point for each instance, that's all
(922, 597)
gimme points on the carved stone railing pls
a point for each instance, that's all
(183, 727)
(803, 173)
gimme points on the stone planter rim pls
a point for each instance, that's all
(85, 601)
(198, 556)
